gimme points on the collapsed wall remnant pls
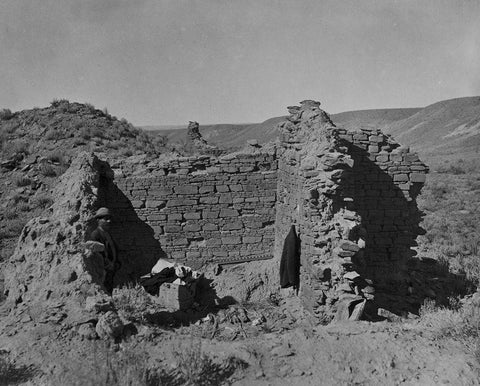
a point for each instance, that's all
(349, 195)
(53, 270)
(195, 143)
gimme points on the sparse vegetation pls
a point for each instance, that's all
(459, 323)
(132, 302)
(451, 202)
(106, 366)
(6, 114)
(11, 374)
(47, 170)
(194, 367)
(42, 200)
(22, 181)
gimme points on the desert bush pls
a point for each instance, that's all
(57, 102)
(19, 146)
(10, 374)
(54, 134)
(194, 367)
(13, 227)
(55, 157)
(23, 207)
(461, 324)
(126, 152)
(132, 302)
(84, 133)
(22, 181)
(41, 200)
(106, 366)
(79, 142)
(17, 197)
(6, 114)
(47, 170)
(10, 213)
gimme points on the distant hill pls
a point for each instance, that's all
(378, 118)
(447, 128)
(450, 128)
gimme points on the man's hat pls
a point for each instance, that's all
(103, 212)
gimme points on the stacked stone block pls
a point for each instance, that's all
(312, 195)
(386, 180)
(199, 209)
(351, 196)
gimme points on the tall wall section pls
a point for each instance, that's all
(386, 178)
(196, 210)
(351, 197)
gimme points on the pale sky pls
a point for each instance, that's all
(232, 61)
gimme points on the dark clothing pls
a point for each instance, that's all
(110, 255)
(290, 262)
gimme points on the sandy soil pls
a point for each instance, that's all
(347, 353)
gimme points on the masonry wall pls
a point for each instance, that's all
(196, 210)
(387, 178)
(352, 198)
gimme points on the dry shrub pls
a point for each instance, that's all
(126, 152)
(19, 146)
(54, 134)
(22, 181)
(106, 365)
(41, 200)
(47, 170)
(10, 213)
(55, 157)
(10, 374)
(132, 302)
(194, 367)
(462, 324)
(6, 114)
(13, 227)
(23, 207)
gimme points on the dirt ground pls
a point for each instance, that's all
(284, 349)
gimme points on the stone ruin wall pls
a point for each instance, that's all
(386, 180)
(351, 196)
(196, 210)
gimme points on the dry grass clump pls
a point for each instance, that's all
(12, 227)
(451, 202)
(22, 181)
(41, 200)
(132, 302)
(108, 365)
(461, 323)
(6, 114)
(10, 374)
(47, 170)
(194, 367)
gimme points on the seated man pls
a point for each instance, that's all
(110, 254)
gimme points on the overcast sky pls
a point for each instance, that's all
(232, 61)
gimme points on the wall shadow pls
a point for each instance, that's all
(139, 250)
(402, 280)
